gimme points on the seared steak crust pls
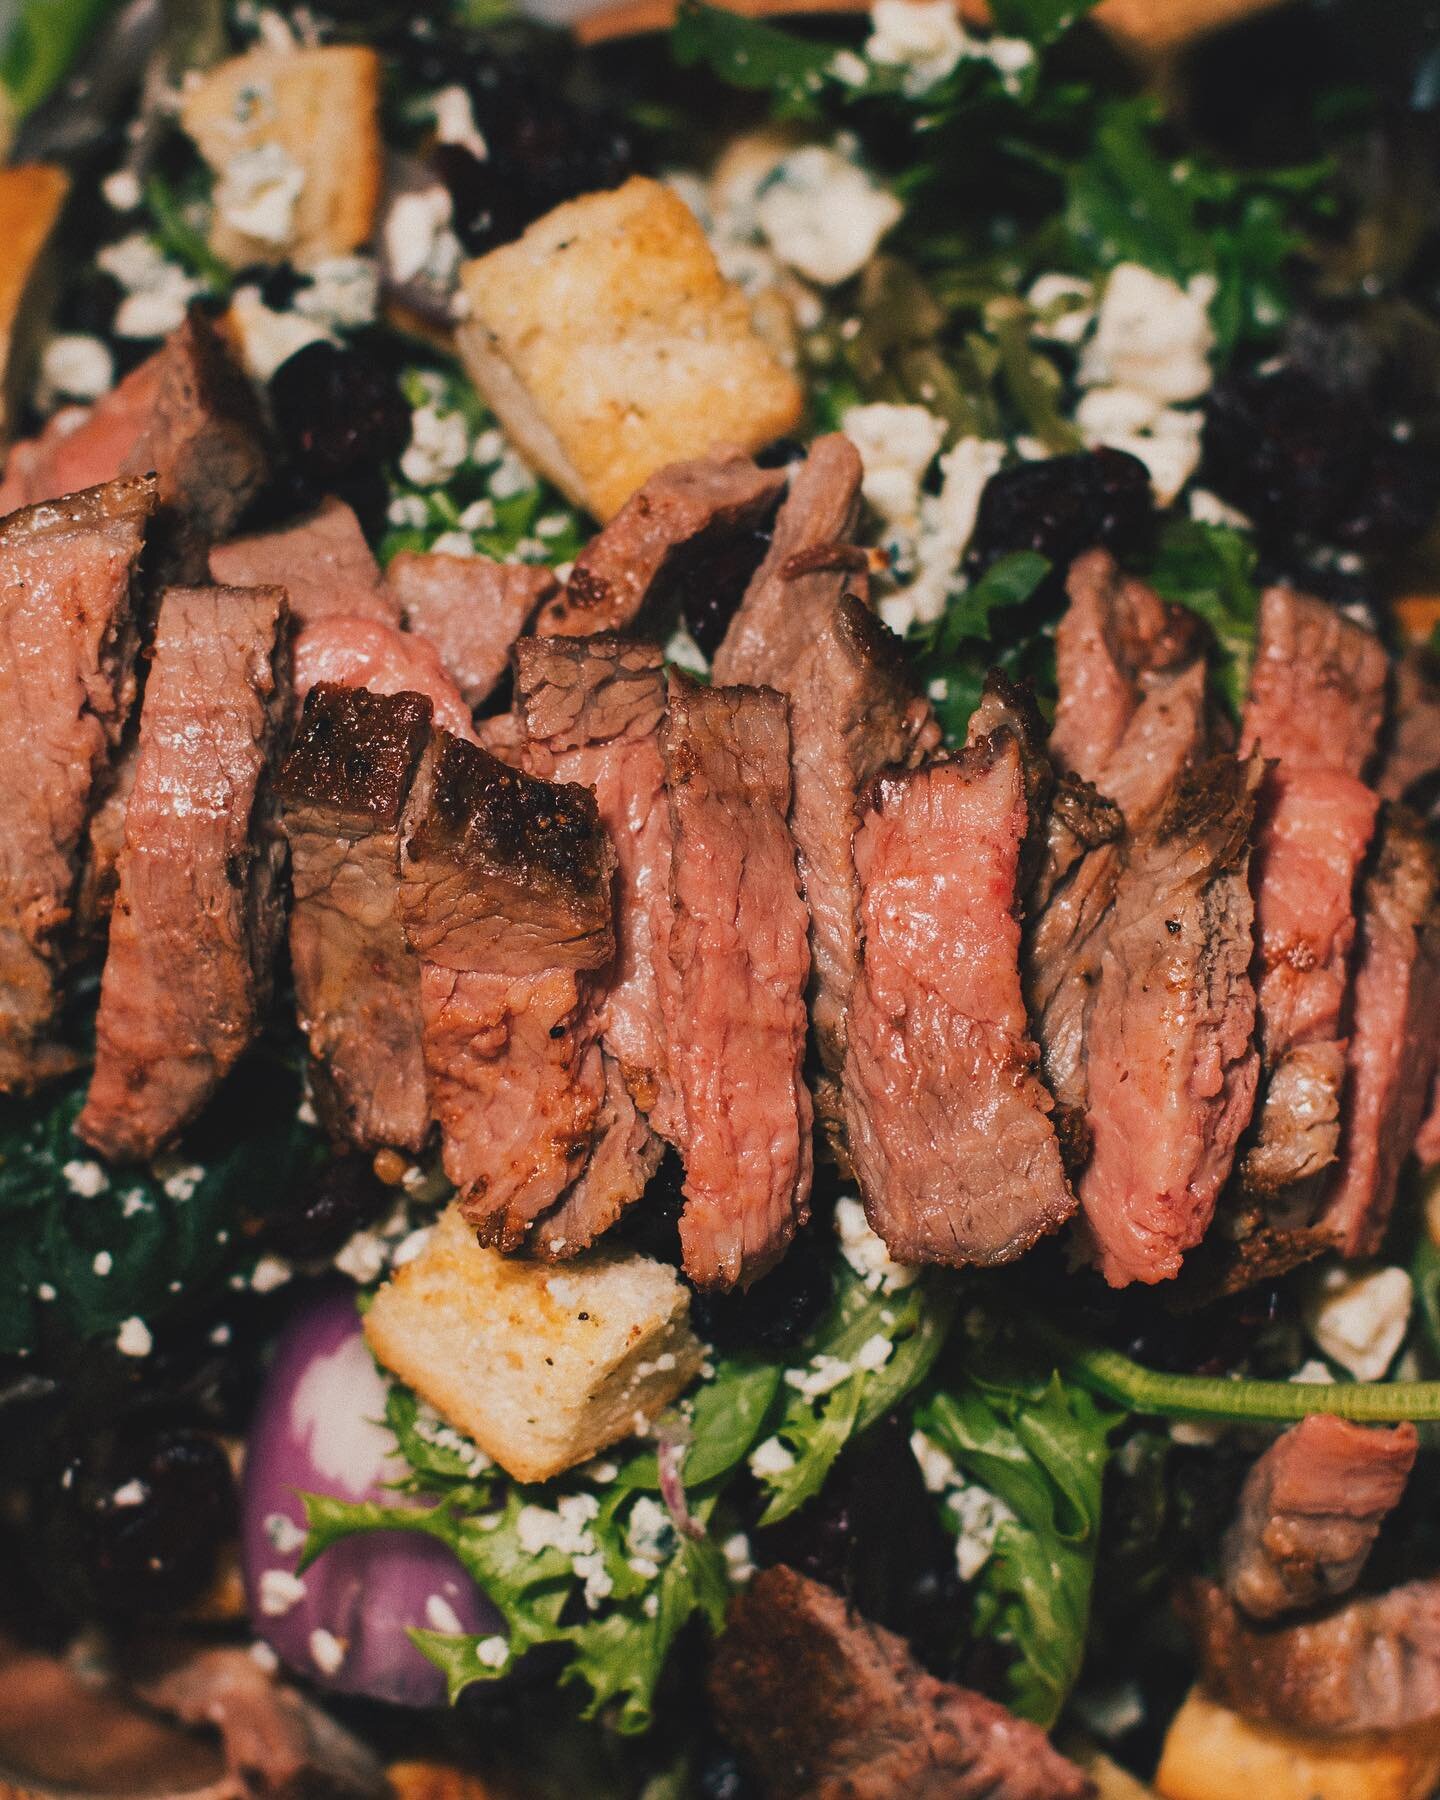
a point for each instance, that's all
(826, 1706)
(344, 789)
(323, 563)
(67, 684)
(1317, 691)
(672, 525)
(1370, 1664)
(948, 1126)
(471, 609)
(506, 898)
(734, 984)
(1391, 1059)
(365, 653)
(1310, 1511)
(198, 910)
(1171, 1063)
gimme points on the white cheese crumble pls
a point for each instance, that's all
(133, 1201)
(509, 478)
(479, 515)
(410, 1246)
(74, 366)
(280, 1592)
(682, 650)
(344, 292)
(440, 1615)
(865, 1250)
(439, 443)
(823, 215)
(418, 239)
(1312, 1373)
(269, 338)
(492, 1652)
(85, 1178)
(978, 1513)
(897, 444)
(650, 1532)
(134, 1338)
(408, 511)
(771, 1458)
(269, 1273)
(134, 1493)
(566, 1529)
(947, 523)
(432, 1429)
(362, 1256)
(739, 1565)
(283, 1534)
(1359, 1318)
(122, 190)
(264, 1657)
(1152, 335)
(823, 1376)
(1209, 509)
(599, 1583)
(874, 1353)
(1167, 439)
(327, 1651)
(455, 122)
(178, 1180)
(46, 1291)
(258, 191)
(923, 37)
(104, 1262)
(454, 543)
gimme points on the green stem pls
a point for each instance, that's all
(1142, 1390)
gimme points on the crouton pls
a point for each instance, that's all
(609, 344)
(1212, 1753)
(541, 1366)
(293, 139)
(31, 196)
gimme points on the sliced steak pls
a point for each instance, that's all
(1427, 1140)
(471, 609)
(948, 1127)
(1169, 1052)
(1410, 759)
(1391, 1059)
(349, 651)
(668, 531)
(826, 1706)
(734, 982)
(1317, 690)
(344, 789)
(68, 638)
(187, 414)
(198, 910)
(1313, 833)
(1311, 1509)
(1371, 1664)
(506, 898)
(624, 1155)
(323, 563)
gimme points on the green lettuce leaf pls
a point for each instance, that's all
(749, 53)
(1211, 569)
(975, 633)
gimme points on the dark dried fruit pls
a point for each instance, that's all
(337, 412)
(711, 584)
(1063, 506)
(778, 1311)
(345, 1196)
(652, 1225)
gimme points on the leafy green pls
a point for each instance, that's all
(1042, 21)
(959, 650)
(1040, 1446)
(39, 43)
(162, 1234)
(181, 240)
(1211, 569)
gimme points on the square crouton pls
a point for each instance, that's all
(610, 344)
(293, 139)
(542, 1365)
(31, 198)
(1212, 1753)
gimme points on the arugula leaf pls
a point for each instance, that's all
(959, 650)
(1041, 1447)
(41, 40)
(1211, 569)
(749, 53)
(1042, 21)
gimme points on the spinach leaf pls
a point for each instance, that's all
(959, 650)
(748, 53)
(1042, 21)
(1211, 569)
(40, 41)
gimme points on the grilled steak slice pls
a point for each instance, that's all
(67, 684)
(471, 609)
(591, 709)
(948, 1128)
(506, 898)
(1371, 1664)
(187, 414)
(344, 788)
(105, 839)
(1391, 1059)
(323, 563)
(349, 651)
(1411, 757)
(734, 985)
(1314, 830)
(1310, 1511)
(804, 572)
(826, 1706)
(625, 1154)
(1317, 691)
(198, 911)
(672, 527)
(1171, 1064)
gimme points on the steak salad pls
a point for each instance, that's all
(720, 909)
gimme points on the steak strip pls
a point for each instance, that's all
(733, 982)
(1317, 690)
(471, 609)
(198, 910)
(323, 563)
(1310, 1511)
(506, 898)
(68, 637)
(344, 788)
(826, 1706)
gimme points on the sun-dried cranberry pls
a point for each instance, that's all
(778, 1310)
(1062, 506)
(344, 1196)
(489, 208)
(712, 582)
(652, 1224)
(337, 411)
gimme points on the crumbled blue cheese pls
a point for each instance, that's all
(269, 1273)
(74, 366)
(865, 1250)
(897, 444)
(1167, 439)
(283, 1534)
(947, 523)
(977, 1512)
(492, 1652)
(268, 338)
(599, 1583)
(281, 1591)
(1152, 336)
(258, 192)
(327, 1651)
(133, 1338)
(650, 1531)
(923, 37)
(822, 1376)
(440, 1615)
(344, 292)
(455, 122)
(104, 1262)
(566, 1529)
(85, 1178)
(122, 190)
(1359, 1318)
(418, 239)
(823, 214)
(439, 443)
(771, 1458)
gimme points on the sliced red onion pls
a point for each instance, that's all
(669, 1460)
(318, 1429)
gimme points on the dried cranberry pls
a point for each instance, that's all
(778, 1310)
(1062, 506)
(488, 208)
(780, 452)
(711, 583)
(337, 412)
(344, 1196)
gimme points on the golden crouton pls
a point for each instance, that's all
(1212, 1753)
(31, 196)
(293, 139)
(609, 344)
(541, 1365)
